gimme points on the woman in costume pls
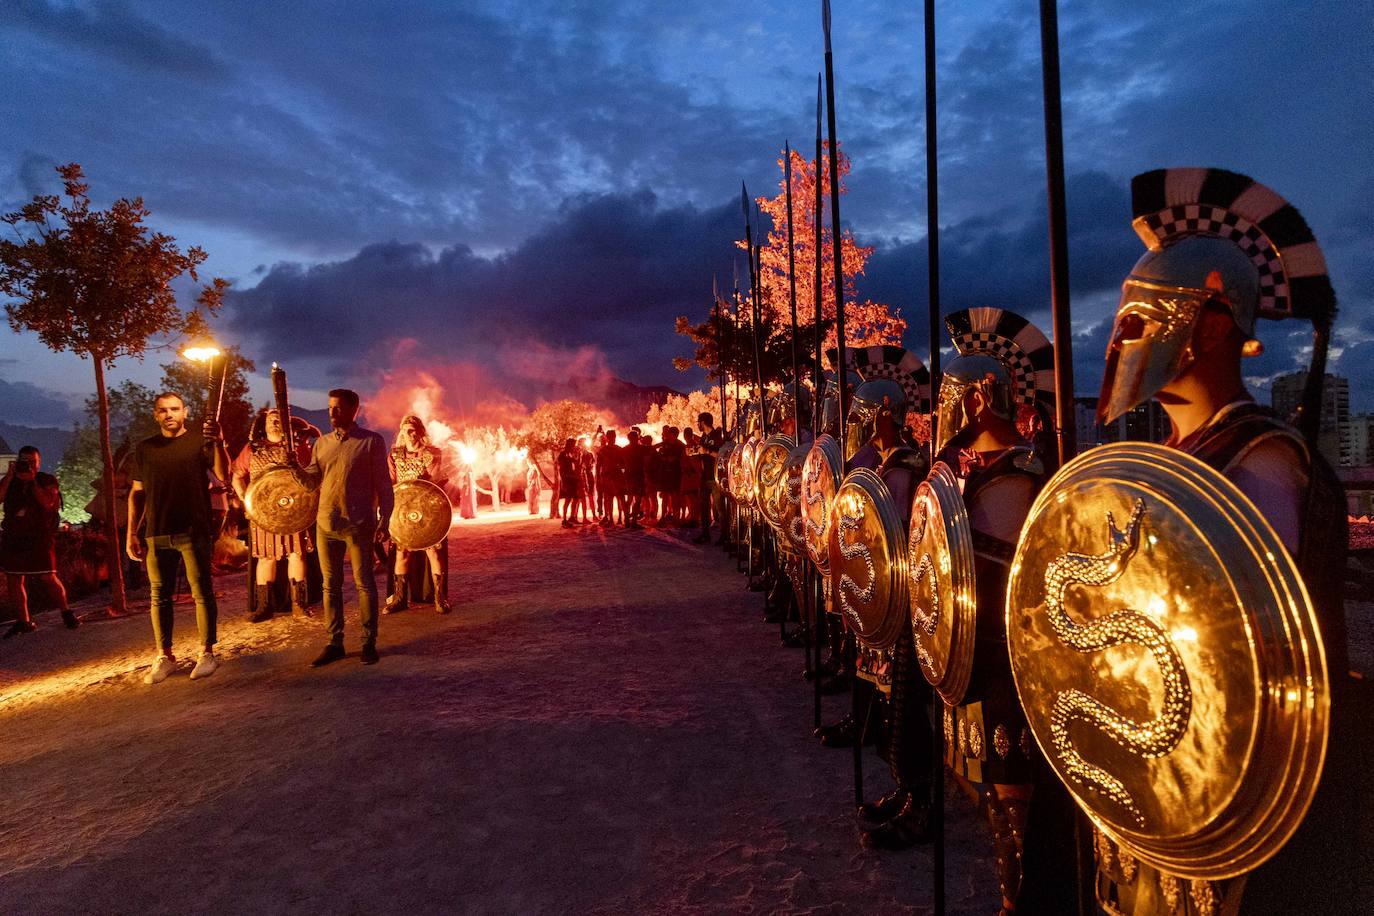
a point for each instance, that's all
(415, 458)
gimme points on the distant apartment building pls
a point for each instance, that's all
(1362, 440)
(1145, 423)
(1334, 438)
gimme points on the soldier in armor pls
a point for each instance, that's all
(1223, 251)
(793, 421)
(877, 413)
(1002, 374)
(835, 678)
(266, 449)
(414, 458)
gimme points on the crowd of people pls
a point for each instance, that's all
(181, 492)
(666, 483)
(177, 506)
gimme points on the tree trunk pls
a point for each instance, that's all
(115, 548)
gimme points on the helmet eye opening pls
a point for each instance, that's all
(1132, 326)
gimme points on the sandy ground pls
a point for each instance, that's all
(602, 725)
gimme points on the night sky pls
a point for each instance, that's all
(529, 190)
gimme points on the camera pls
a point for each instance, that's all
(22, 465)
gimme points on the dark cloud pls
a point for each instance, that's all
(611, 273)
(1004, 262)
(503, 147)
(26, 404)
(329, 132)
(113, 31)
(597, 289)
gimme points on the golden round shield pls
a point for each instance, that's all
(868, 559)
(277, 502)
(422, 515)
(1168, 659)
(748, 490)
(943, 603)
(820, 479)
(723, 465)
(770, 484)
(738, 457)
(792, 537)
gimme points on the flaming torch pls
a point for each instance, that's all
(208, 352)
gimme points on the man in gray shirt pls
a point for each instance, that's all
(349, 469)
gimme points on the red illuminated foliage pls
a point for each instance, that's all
(866, 322)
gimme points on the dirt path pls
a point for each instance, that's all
(602, 725)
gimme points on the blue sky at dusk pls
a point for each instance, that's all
(554, 182)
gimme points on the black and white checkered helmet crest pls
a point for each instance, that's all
(1012, 341)
(1171, 204)
(898, 364)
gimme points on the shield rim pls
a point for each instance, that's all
(421, 483)
(723, 455)
(888, 630)
(309, 498)
(788, 544)
(829, 450)
(770, 500)
(943, 486)
(1259, 817)
(747, 495)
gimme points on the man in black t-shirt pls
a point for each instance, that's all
(632, 465)
(169, 516)
(709, 441)
(569, 479)
(610, 478)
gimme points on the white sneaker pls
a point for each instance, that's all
(162, 666)
(205, 667)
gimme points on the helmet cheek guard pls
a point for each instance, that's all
(875, 399)
(963, 376)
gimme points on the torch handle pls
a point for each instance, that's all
(214, 397)
(283, 408)
(223, 377)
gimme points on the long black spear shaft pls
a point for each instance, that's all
(720, 346)
(808, 630)
(758, 319)
(1059, 232)
(756, 302)
(819, 215)
(836, 244)
(932, 219)
(818, 614)
(1066, 429)
(937, 809)
(792, 293)
(734, 334)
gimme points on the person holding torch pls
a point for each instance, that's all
(170, 518)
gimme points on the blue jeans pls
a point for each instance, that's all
(161, 562)
(357, 544)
